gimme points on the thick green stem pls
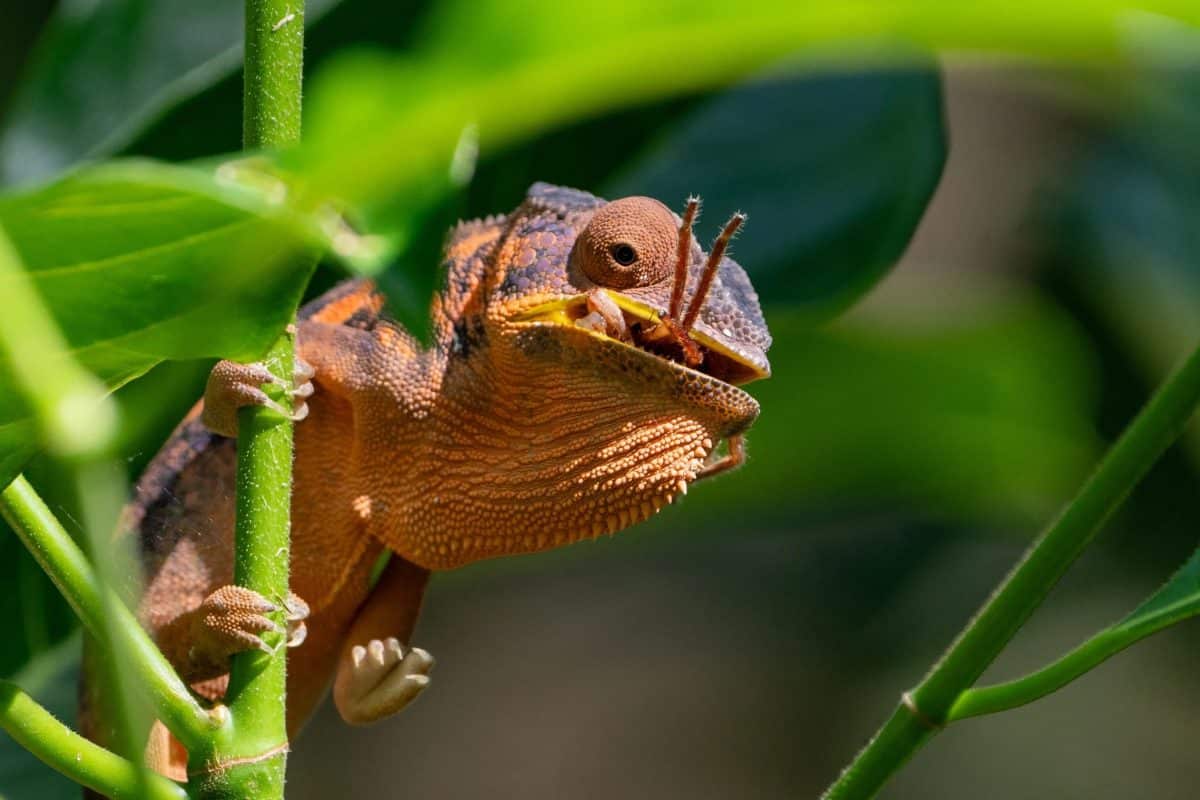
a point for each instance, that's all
(1158, 425)
(64, 562)
(36, 729)
(273, 73)
(251, 760)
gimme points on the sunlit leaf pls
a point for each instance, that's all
(139, 263)
(381, 124)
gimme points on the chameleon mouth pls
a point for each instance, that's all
(643, 328)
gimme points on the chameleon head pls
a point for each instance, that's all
(607, 352)
(621, 292)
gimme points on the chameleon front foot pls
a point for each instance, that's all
(233, 619)
(232, 386)
(380, 679)
(734, 458)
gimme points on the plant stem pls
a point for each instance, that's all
(65, 564)
(1102, 646)
(273, 73)
(257, 750)
(1159, 424)
(36, 729)
(252, 761)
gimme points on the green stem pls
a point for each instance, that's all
(36, 729)
(1154, 429)
(251, 762)
(65, 564)
(273, 73)
(1102, 646)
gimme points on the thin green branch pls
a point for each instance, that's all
(1101, 647)
(928, 706)
(64, 563)
(36, 729)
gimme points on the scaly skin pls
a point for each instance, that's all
(523, 427)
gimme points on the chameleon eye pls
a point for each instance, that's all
(624, 254)
(629, 242)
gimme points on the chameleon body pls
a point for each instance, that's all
(551, 406)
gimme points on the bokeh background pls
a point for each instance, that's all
(747, 641)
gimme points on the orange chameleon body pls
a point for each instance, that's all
(567, 393)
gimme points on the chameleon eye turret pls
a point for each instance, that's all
(629, 242)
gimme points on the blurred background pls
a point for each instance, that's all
(1039, 223)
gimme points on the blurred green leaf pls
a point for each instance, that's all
(106, 70)
(381, 125)
(52, 678)
(38, 617)
(402, 131)
(140, 263)
(1125, 220)
(980, 420)
(834, 170)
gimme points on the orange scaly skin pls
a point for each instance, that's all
(524, 426)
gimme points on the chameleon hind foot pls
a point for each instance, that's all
(232, 386)
(233, 619)
(381, 679)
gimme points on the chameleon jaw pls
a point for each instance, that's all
(644, 329)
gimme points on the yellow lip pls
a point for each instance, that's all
(558, 312)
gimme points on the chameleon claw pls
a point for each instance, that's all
(295, 607)
(302, 371)
(295, 612)
(298, 635)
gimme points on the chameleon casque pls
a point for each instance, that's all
(584, 366)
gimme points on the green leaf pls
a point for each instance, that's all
(53, 679)
(573, 60)
(1178, 598)
(834, 170)
(980, 420)
(140, 263)
(106, 70)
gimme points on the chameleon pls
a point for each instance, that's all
(572, 387)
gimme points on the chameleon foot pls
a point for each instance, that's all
(232, 620)
(380, 680)
(232, 386)
(734, 458)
